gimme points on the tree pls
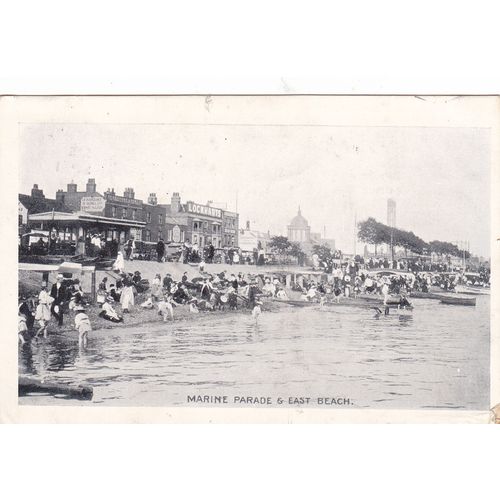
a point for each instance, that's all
(296, 251)
(446, 248)
(281, 244)
(408, 241)
(373, 232)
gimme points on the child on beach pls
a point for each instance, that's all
(108, 312)
(82, 325)
(42, 314)
(22, 329)
(148, 303)
(257, 311)
(165, 308)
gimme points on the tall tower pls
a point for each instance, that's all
(391, 213)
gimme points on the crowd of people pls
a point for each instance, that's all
(130, 291)
(37, 310)
(216, 291)
(417, 265)
(353, 279)
(208, 254)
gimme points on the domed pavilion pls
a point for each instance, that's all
(299, 230)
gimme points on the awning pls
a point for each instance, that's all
(64, 267)
(36, 234)
(84, 217)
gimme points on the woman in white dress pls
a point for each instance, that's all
(119, 264)
(127, 296)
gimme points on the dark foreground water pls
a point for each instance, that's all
(436, 358)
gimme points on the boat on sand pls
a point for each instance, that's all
(458, 301)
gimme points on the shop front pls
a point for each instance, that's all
(80, 233)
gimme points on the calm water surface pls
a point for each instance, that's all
(436, 358)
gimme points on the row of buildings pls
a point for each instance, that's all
(75, 214)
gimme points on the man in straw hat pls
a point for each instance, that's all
(59, 293)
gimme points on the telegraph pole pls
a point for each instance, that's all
(355, 231)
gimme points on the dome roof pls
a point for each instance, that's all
(299, 222)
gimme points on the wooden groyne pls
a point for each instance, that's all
(30, 385)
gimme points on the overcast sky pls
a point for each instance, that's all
(439, 177)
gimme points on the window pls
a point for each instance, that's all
(113, 211)
(124, 213)
(134, 213)
(195, 226)
(205, 226)
(148, 217)
(20, 219)
(148, 235)
(160, 219)
(160, 235)
(169, 235)
(182, 236)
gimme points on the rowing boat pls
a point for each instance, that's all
(472, 291)
(459, 301)
(363, 304)
(450, 298)
(296, 303)
(426, 295)
(391, 301)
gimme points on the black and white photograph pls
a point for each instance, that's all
(255, 252)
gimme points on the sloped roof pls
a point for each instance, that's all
(36, 205)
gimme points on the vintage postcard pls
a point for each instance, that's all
(250, 258)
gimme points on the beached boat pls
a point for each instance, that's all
(426, 295)
(367, 304)
(359, 303)
(459, 301)
(296, 303)
(377, 299)
(472, 291)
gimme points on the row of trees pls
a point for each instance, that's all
(374, 232)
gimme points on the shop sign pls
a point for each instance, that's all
(204, 210)
(92, 204)
(123, 200)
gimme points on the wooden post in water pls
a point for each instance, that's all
(93, 286)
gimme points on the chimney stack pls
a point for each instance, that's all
(60, 195)
(129, 193)
(175, 205)
(91, 186)
(72, 187)
(152, 199)
(37, 193)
